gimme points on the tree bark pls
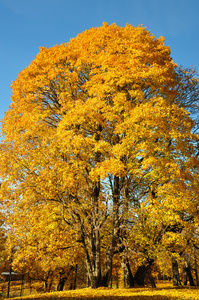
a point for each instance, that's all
(187, 268)
(9, 281)
(61, 284)
(108, 267)
(22, 283)
(96, 278)
(93, 258)
(128, 277)
(140, 274)
(196, 268)
(176, 277)
(185, 278)
(75, 278)
(62, 279)
(152, 281)
(117, 278)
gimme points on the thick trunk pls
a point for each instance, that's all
(93, 260)
(63, 278)
(187, 269)
(92, 255)
(95, 272)
(61, 284)
(106, 278)
(152, 281)
(94, 276)
(176, 276)
(95, 263)
(48, 285)
(88, 283)
(128, 277)
(108, 268)
(185, 279)
(139, 277)
(94, 282)
(140, 274)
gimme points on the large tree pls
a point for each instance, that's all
(96, 126)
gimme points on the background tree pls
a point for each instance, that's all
(45, 248)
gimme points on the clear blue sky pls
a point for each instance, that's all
(26, 25)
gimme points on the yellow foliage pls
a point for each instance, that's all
(96, 127)
(128, 294)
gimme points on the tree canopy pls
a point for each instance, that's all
(101, 128)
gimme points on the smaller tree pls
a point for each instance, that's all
(45, 246)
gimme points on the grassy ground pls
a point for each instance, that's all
(160, 293)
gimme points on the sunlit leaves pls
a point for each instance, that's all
(97, 127)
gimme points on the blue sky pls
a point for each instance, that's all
(26, 25)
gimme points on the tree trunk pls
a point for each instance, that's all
(141, 273)
(117, 278)
(195, 268)
(187, 269)
(93, 261)
(63, 277)
(48, 285)
(9, 281)
(152, 281)
(108, 267)
(88, 283)
(176, 277)
(185, 278)
(22, 284)
(128, 277)
(92, 255)
(61, 284)
(75, 279)
(95, 270)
